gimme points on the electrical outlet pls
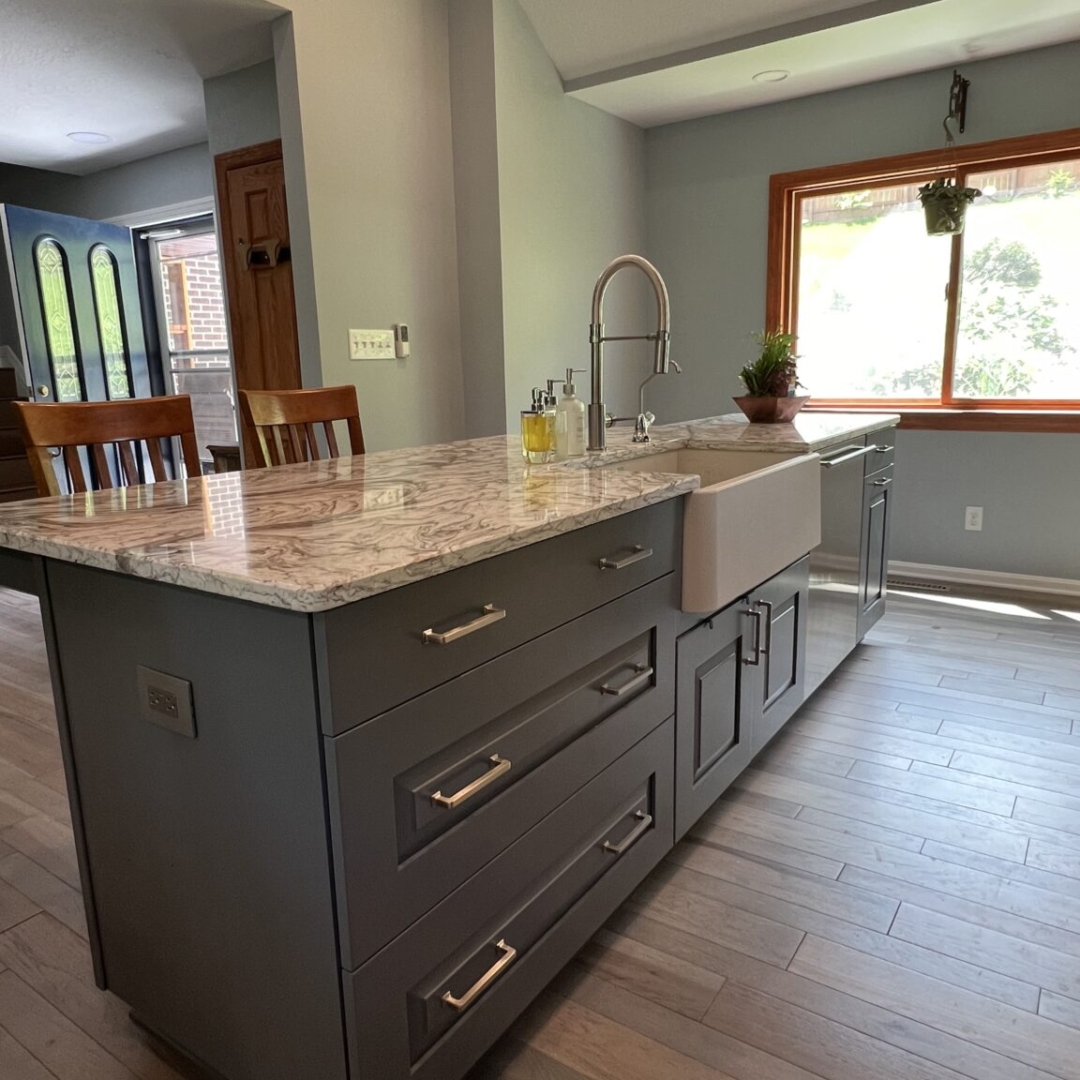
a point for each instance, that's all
(165, 701)
(371, 344)
(973, 518)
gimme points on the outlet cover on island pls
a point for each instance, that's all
(371, 344)
(973, 516)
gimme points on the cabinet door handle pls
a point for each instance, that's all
(509, 955)
(883, 483)
(638, 554)
(501, 768)
(858, 452)
(491, 614)
(756, 616)
(643, 674)
(644, 821)
(883, 449)
(768, 624)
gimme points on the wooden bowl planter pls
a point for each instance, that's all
(771, 410)
(945, 206)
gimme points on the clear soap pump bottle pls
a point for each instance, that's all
(538, 428)
(570, 420)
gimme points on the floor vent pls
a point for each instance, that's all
(911, 583)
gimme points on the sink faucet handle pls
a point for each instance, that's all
(674, 364)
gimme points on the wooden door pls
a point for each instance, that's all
(78, 298)
(714, 710)
(874, 574)
(256, 257)
(782, 602)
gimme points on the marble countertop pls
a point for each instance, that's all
(315, 536)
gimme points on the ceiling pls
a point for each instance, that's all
(129, 69)
(656, 63)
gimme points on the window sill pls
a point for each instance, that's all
(1058, 421)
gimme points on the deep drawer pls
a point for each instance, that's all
(372, 654)
(884, 454)
(427, 1006)
(423, 796)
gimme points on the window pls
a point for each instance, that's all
(54, 284)
(887, 316)
(192, 317)
(110, 321)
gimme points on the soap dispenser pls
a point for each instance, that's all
(570, 420)
(538, 428)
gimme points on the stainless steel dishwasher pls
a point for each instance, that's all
(833, 612)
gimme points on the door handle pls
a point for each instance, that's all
(491, 614)
(509, 955)
(43, 391)
(768, 624)
(502, 767)
(644, 822)
(756, 616)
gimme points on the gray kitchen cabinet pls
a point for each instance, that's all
(874, 567)
(740, 676)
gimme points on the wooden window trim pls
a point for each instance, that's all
(781, 304)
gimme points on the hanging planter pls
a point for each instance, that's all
(945, 206)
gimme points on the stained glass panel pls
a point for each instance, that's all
(114, 352)
(59, 326)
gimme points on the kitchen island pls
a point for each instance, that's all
(361, 752)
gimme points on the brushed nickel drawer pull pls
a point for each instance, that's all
(758, 651)
(502, 767)
(639, 554)
(857, 452)
(643, 673)
(644, 821)
(509, 955)
(883, 449)
(883, 483)
(491, 614)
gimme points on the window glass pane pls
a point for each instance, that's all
(59, 328)
(114, 352)
(872, 305)
(1019, 312)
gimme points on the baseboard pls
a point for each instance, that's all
(986, 579)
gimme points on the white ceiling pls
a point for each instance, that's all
(656, 63)
(130, 69)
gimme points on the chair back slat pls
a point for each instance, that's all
(127, 462)
(97, 426)
(284, 422)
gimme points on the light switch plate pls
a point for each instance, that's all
(371, 344)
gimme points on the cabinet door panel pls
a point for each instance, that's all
(783, 603)
(873, 584)
(715, 692)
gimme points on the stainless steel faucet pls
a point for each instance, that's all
(597, 337)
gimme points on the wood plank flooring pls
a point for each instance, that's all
(892, 891)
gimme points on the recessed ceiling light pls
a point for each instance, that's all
(88, 137)
(777, 75)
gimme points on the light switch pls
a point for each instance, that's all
(371, 344)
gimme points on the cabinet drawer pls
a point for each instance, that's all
(372, 654)
(423, 796)
(884, 453)
(428, 1005)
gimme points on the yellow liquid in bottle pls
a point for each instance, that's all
(537, 437)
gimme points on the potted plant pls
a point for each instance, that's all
(771, 381)
(945, 206)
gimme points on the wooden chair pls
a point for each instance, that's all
(283, 422)
(97, 425)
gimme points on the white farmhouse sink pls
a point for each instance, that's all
(754, 514)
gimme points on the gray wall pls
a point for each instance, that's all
(242, 108)
(706, 219)
(164, 180)
(548, 191)
(571, 184)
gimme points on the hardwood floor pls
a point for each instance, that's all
(892, 891)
